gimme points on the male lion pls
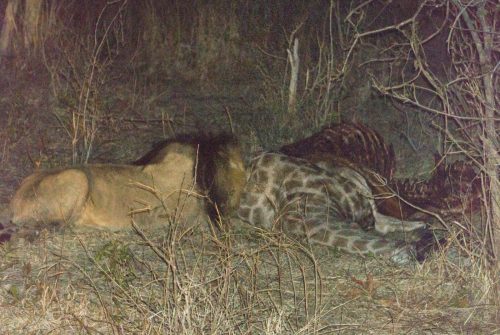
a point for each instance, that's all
(164, 184)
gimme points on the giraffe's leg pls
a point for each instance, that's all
(356, 241)
(386, 224)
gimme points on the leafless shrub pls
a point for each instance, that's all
(463, 103)
(79, 75)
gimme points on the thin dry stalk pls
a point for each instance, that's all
(87, 116)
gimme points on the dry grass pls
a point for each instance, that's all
(238, 282)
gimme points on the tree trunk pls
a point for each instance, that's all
(32, 14)
(8, 27)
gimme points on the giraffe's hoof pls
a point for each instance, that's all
(403, 255)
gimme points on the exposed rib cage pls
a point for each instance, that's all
(352, 141)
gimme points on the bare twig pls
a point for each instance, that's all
(293, 58)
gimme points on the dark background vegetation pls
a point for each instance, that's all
(100, 81)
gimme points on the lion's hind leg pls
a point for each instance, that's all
(56, 196)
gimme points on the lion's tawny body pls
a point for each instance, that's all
(110, 196)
